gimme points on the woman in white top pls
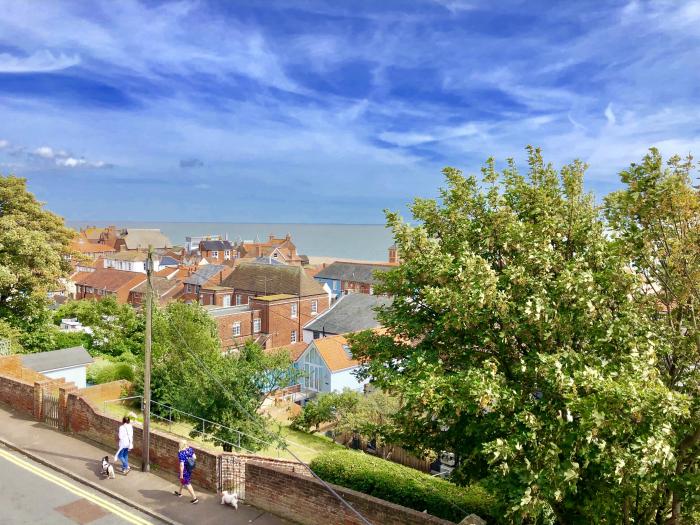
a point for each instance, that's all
(126, 443)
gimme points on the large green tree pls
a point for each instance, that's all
(34, 244)
(655, 219)
(191, 374)
(514, 341)
(118, 329)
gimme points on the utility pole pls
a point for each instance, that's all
(146, 442)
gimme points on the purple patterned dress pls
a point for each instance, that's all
(186, 473)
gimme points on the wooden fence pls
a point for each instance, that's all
(390, 452)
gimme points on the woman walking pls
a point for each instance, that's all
(126, 443)
(186, 459)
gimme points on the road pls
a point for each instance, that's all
(32, 493)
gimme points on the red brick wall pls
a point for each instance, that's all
(17, 393)
(224, 325)
(304, 500)
(103, 429)
(278, 321)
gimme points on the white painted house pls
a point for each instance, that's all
(68, 363)
(328, 366)
(130, 261)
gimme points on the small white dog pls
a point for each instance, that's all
(229, 498)
(107, 468)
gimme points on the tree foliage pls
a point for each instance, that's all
(34, 244)
(189, 372)
(514, 341)
(118, 330)
(330, 408)
(656, 223)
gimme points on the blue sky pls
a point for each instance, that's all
(309, 111)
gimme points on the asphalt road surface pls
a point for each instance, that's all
(32, 493)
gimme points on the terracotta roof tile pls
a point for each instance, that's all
(110, 279)
(335, 352)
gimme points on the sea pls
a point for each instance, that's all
(344, 241)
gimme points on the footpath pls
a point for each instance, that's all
(148, 492)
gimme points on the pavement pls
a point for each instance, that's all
(148, 493)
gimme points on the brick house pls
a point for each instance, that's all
(216, 251)
(279, 249)
(344, 277)
(236, 324)
(286, 297)
(164, 291)
(104, 282)
(206, 286)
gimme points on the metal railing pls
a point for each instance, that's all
(200, 426)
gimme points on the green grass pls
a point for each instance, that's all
(305, 446)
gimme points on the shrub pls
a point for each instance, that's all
(107, 371)
(403, 485)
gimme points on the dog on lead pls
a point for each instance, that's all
(107, 468)
(229, 498)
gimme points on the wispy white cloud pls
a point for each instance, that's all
(609, 114)
(39, 62)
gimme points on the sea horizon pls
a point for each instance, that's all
(350, 241)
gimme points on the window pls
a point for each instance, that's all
(236, 329)
(256, 326)
(131, 266)
(239, 299)
(215, 254)
(295, 308)
(227, 254)
(227, 300)
(189, 288)
(294, 336)
(314, 307)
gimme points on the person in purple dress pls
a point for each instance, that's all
(186, 458)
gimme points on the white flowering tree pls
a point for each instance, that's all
(514, 341)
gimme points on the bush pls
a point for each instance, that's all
(107, 371)
(403, 485)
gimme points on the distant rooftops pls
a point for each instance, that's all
(268, 279)
(204, 273)
(351, 313)
(216, 245)
(141, 238)
(352, 271)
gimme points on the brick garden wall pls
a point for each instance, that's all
(304, 500)
(97, 394)
(17, 393)
(86, 422)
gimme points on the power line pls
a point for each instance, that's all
(262, 427)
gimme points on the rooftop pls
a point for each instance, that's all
(270, 279)
(57, 359)
(129, 256)
(350, 313)
(217, 245)
(136, 238)
(335, 352)
(220, 311)
(275, 297)
(352, 271)
(109, 279)
(204, 273)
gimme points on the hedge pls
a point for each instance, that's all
(403, 485)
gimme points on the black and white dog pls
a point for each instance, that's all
(229, 498)
(107, 468)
